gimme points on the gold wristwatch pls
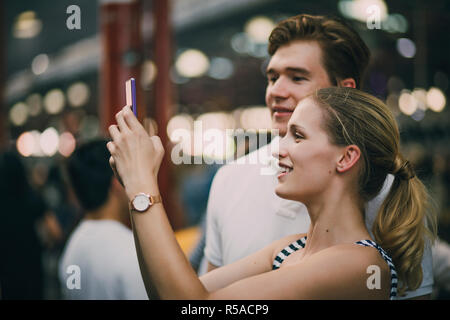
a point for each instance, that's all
(143, 201)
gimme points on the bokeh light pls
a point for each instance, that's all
(436, 99)
(192, 63)
(67, 144)
(54, 101)
(78, 94)
(49, 141)
(18, 114)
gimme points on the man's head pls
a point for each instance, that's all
(309, 53)
(91, 176)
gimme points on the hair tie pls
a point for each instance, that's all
(405, 172)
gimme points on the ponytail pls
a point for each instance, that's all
(404, 220)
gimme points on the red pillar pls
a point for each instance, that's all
(121, 58)
(163, 107)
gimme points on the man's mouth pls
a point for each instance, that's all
(281, 111)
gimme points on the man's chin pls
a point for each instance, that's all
(280, 127)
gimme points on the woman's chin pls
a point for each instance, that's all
(282, 193)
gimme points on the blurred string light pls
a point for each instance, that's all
(45, 144)
(244, 45)
(78, 94)
(435, 99)
(67, 144)
(180, 121)
(192, 63)
(25, 144)
(54, 101)
(40, 64)
(18, 114)
(259, 28)
(49, 141)
(406, 47)
(241, 43)
(360, 9)
(27, 25)
(221, 68)
(415, 103)
(28, 144)
(421, 97)
(34, 103)
(407, 103)
(148, 75)
(395, 23)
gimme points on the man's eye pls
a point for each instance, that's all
(297, 79)
(272, 79)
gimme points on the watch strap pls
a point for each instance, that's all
(152, 200)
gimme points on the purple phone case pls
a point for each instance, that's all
(133, 96)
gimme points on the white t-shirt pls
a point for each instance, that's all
(102, 254)
(244, 214)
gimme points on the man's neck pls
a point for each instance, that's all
(108, 211)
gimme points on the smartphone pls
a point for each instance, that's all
(130, 89)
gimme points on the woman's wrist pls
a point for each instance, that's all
(148, 186)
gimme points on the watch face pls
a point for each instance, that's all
(141, 202)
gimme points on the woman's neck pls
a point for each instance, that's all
(336, 218)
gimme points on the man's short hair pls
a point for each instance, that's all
(345, 55)
(90, 173)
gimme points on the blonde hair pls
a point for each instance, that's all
(405, 219)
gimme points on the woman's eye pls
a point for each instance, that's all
(298, 136)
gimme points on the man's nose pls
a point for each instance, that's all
(279, 90)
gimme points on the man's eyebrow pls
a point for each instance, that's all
(303, 71)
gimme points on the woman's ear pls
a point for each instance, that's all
(349, 158)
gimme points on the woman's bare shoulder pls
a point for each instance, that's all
(282, 243)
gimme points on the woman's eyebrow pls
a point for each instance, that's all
(296, 127)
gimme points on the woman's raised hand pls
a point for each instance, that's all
(135, 156)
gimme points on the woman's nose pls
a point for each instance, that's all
(280, 151)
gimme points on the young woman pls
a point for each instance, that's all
(341, 144)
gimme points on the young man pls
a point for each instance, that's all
(101, 250)
(244, 214)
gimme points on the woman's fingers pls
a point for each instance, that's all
(112, 163)
(132, 122)
(114, 132)
(123, 126)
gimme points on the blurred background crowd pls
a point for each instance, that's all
(63, 66)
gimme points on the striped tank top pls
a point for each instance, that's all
(300, 244)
